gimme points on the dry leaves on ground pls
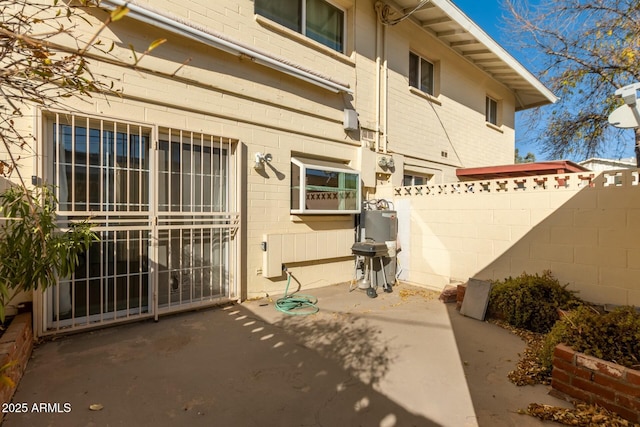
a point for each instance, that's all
(528, 371)
(424, 293)
(583, 415)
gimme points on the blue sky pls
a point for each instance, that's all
(488, 15)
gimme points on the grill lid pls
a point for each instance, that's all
(370, 249)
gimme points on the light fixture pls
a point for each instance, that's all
(261, 159)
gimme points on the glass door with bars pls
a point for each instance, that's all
(161, 211)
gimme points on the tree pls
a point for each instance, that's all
(42, 63)
(586, 49)
(528, 158)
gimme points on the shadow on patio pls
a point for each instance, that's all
(222, 366)
(489, 353)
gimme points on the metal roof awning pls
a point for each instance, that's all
(518, 170)
(443, 20)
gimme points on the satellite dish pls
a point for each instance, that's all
(625, 117)
(628, 115)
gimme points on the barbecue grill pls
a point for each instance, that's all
(370, 251)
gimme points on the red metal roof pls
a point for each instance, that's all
(520, 169)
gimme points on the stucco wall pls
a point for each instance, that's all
(585, 230)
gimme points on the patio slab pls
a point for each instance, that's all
(388, 361)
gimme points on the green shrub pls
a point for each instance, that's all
(34, 251)
(613, 336)
(556, 335)
(530, 301)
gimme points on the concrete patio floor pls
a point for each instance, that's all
(388, 361)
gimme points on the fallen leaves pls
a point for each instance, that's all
(529, 370)
(424, 293)
(582, 415)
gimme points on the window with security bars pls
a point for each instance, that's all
(319, 187)
(101, 165)
(319, 20)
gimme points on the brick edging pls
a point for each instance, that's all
(16, 344)
(597, 381)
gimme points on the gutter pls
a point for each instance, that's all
(202, 35)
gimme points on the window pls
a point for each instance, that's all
(411, 180)
(319, 187)
(317, 19)
(421, 73)
(491, 111)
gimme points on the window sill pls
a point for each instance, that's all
(319, 217)
(301, 38)
(494, 127)
(425, 95)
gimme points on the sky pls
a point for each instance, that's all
(488, 15)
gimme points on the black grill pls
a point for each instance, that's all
(370, 249)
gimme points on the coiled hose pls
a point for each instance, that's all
(296, 305)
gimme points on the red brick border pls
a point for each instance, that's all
(16, 345)
(597, 382)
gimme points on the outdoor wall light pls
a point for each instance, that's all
(260, 160)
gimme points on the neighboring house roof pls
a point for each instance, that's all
(520, 169)
(451, 26)
(597, 164)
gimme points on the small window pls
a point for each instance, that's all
(319, 187)
(421, 73)
(411, 180)
(491, 111)
(317, 19)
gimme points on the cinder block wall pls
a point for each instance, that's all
(582, 227)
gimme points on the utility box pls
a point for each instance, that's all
(381, 226)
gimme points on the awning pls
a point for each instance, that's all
(520, 169)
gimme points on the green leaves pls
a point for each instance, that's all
(613, 336)
(530, 301)
(34, 251)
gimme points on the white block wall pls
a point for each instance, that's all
(585, 230)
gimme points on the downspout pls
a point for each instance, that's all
(379, 28)
(385, 92)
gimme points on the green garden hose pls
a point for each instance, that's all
(296, 305)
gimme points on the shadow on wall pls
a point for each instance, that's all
(210, 59)
(590, 241)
